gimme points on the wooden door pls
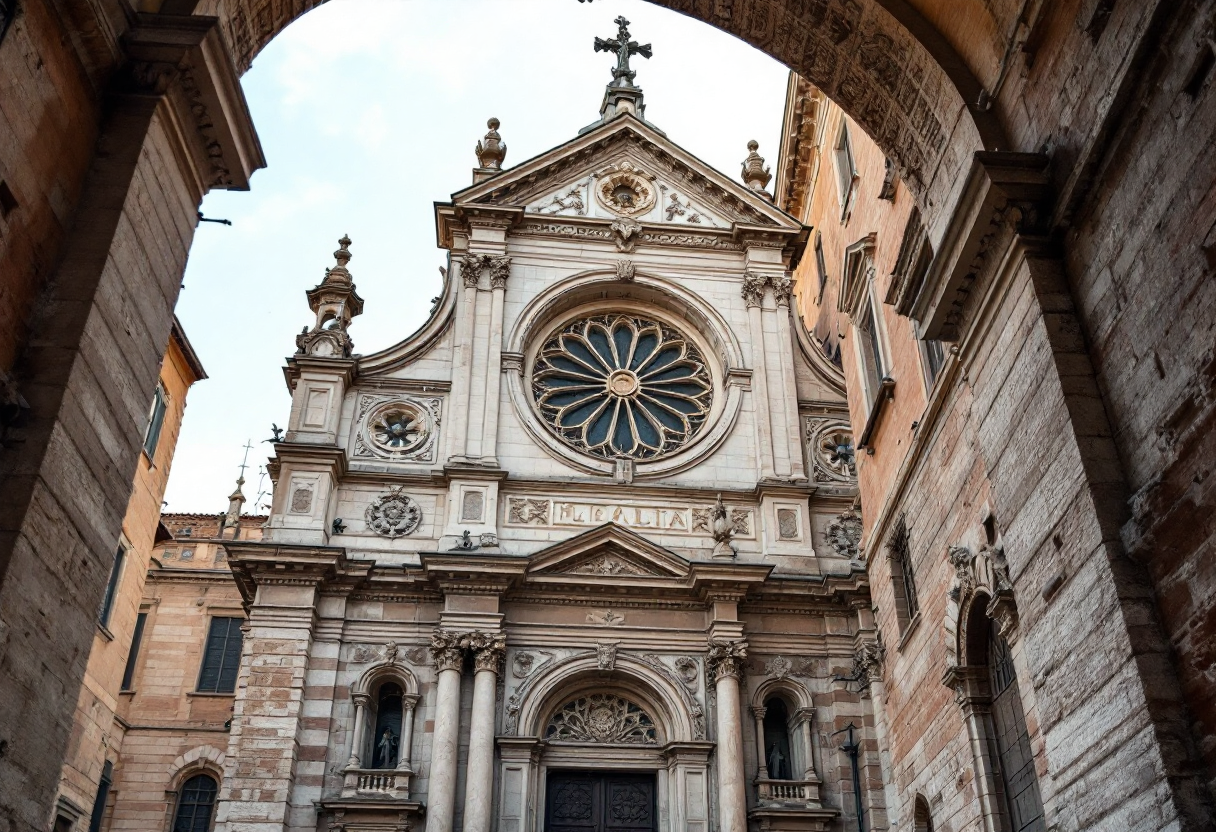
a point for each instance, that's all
(596, 802)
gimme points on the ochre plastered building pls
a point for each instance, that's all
(1094, 418)
(99, 724)
(176, 718)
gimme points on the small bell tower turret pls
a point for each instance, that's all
(335, 302)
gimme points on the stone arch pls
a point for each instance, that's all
(200, 759)
(795, 695)
(385, 671)
(632, 678)
(982, 590)
(887, 66)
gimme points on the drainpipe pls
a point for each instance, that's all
(853, 748)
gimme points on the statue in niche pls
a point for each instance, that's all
(386, 749)
(776, 763)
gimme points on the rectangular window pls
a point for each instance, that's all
(156, 420)
(846, 170)
(103, 792)
(221, 657)
(871, 353)
(128, 673)
(899, 554)
(107, 603)
(821, 265)
(934, 357)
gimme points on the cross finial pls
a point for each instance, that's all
(245, 460)
(622, 75)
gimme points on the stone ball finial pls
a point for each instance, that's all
(755, 175)
(491, 151)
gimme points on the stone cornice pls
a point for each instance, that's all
(1003, 190)
(255, 563)
(297, 365)
(184, 59)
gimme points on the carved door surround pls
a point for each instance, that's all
(982, 612)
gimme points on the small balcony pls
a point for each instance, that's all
(787, 792)
(382, 783)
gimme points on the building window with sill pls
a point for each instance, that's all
(128, 673)
(156, 421)
(873, 360)
(899, 556)
(107, 603)
(222, 656)
(933, 358)
(846, 170)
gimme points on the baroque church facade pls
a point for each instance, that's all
(581, 552)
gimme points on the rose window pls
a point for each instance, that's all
(397, 429)
(622, 386)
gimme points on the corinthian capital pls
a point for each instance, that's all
(725, 658)
(753, 289)
(447, 651)
(498, 267)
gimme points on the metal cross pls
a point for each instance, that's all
(624, 49)
(248, 448)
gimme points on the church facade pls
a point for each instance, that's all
(581, 552)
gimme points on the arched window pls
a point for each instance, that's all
(1015, 761)
(922, 821)
(386, 740)
(195, 804)
(777, 753)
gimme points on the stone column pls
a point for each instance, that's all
(725, 660)
(786, 349)
(753, 296)
(462, 358)
(356, 745)
(448, 655)
(408, 703)
(758, 713)
(479, 777)
(500, 270)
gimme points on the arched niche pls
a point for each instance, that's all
(783, 715)
(380, 765)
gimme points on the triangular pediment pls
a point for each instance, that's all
(608, 551)
(577, 179)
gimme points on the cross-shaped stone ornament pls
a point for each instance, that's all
(622, 75)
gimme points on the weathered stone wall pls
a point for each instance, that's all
(1140, 259)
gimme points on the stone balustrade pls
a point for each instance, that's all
(786, 791)
(377, 782)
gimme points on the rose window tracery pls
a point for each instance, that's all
(398, 429)
(622, 386)
(602, 717)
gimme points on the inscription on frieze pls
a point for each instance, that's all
(666, 518)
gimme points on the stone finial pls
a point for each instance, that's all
(491, 151)
(755, 175)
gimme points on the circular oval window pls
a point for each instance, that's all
(622, 386)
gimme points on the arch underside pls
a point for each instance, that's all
(910, 95)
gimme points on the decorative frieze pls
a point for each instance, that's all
(667, 518)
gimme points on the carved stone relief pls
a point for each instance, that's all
(393, 515)
(844, 534)
(602, 718)
(397, 428)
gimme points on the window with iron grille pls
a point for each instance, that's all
(899, 553)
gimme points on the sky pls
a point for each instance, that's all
(368, 112)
